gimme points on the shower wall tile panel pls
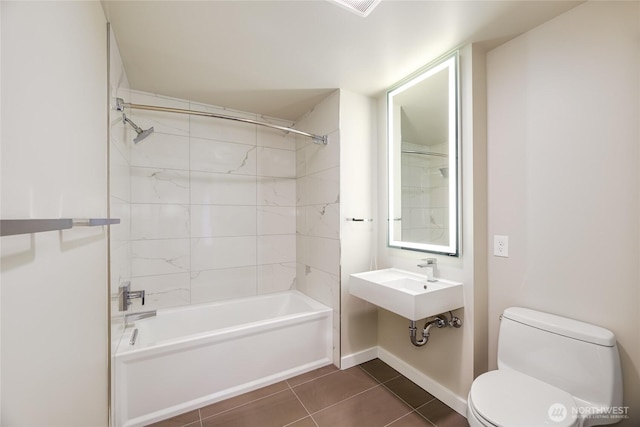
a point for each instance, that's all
(167, 256)
(318, 212)
(221, 221)
(276, 163)
(213, 205)
(213, 285)
(160, 150)
(274, 138)
(276, 277)
(222, 189)
(211, 253)
(276, 191)
(159, 221)
(323, 220)
(276, 249)
(149, 185)
(276, 220)
(223, 157)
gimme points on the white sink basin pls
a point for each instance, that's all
(405, 293)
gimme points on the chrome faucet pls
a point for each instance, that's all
(137, 316)
(125, 295)
(430, 265)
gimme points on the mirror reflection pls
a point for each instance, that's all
(423, 160)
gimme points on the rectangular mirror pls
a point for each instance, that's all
(422, 123)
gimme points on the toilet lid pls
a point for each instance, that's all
(507, 398)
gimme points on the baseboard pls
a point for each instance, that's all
(436, 389)
(354, 359)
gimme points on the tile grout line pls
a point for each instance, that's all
(380, 382)
(407, 403)
(406, 415)
(297, 397)
(263, 397)
(421, 414)
(412, 409)
(312, 379)
(402, 400)
(237, 406)
(310, 415)
(344, 400)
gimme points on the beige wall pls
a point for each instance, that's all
(357, 239)
(54, 165)
(563, 144)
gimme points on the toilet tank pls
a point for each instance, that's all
(574, 356)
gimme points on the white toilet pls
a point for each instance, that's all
(552, 371)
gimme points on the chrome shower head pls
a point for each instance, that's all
(142, 134)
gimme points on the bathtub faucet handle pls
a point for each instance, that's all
(125, 295)
(136, 294)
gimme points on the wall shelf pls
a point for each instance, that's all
(12, 227)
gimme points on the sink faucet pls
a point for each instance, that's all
(125, 295)
(430, 265)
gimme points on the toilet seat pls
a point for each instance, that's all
(507, 398)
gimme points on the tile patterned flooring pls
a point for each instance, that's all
(369, 395)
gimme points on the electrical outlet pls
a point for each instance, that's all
(501, 246)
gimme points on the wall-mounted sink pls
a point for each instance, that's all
(408, 294)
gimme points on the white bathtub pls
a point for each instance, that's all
(192, 356)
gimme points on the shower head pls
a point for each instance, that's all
(142, 134)
(443, 171)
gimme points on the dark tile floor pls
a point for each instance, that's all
(369, 395)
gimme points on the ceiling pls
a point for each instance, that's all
(280, 58)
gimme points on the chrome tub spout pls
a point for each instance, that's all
(128, 318)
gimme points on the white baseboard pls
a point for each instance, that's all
(354, 359)
(442, 393)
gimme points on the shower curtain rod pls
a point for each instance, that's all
(121, 105)
(426, 153)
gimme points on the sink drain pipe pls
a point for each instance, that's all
(440, 321)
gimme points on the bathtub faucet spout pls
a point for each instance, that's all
(137, 316)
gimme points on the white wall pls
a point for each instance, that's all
(54, 164)
(564, 161)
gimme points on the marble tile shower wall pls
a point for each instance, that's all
(213, 206)
(318, 224)
(425, 202)
(318, 210)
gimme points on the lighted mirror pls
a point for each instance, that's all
(422, 120)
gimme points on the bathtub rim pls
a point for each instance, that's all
(125, 352)
(246, 331)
